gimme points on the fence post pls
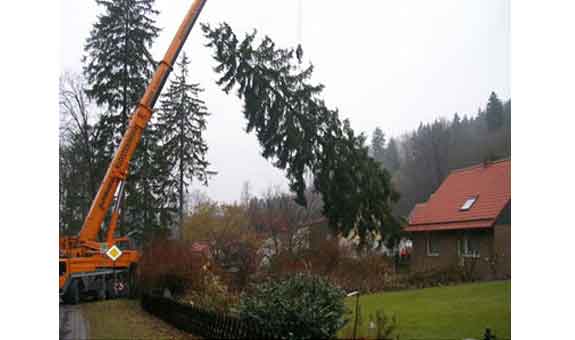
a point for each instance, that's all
(488, 335)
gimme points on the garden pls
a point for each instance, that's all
(226, 276)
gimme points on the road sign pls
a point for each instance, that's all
(114, 252)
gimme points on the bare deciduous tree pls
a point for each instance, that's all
(78, 168)
(287, 223)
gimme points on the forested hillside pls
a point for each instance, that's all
(419, 161)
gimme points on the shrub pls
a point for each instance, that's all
(367, 273)
(171, 264)
(324, 258)
(190, 277)
(286, 263)
(300, 306)
(212, 294)
(431, 277)
(467, 268)
(233, 245)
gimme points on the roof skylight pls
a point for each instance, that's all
(467, 205)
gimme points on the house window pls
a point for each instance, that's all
(468, 204)
(432, 245)
(469, 245)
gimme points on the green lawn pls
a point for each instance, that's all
(454, 312)
(125, 319)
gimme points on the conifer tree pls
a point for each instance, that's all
(494, 113)
(378, 145)
(301, 134)
(117, 66)
(391, 159)
(182, 118)
(456, 120)
(507, 126)
(142, 204)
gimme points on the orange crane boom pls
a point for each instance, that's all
(118, 169)
(86, 266)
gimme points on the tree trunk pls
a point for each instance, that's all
(181, 184)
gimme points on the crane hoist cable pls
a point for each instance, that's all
(299, 50)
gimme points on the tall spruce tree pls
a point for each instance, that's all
(494, 113)
(143, 205)
(117, 66)
(182, 118)
(378, 145)
(507, 126)
(391, 156)
(301, 134)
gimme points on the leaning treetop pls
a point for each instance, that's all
(298, 131)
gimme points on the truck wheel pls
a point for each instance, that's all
(73, 294)
(132, 282)
(102, 293)
(110, 291)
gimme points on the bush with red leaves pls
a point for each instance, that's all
(171, 264)
(327, 259)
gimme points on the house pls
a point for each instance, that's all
(466, 222)
(299, 237)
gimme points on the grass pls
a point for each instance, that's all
(125, 319)
(452, 312)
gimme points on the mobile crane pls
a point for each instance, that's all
(86, 265)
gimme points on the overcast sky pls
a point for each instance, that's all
(389, 63)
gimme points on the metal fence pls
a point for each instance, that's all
(211, 325)
(204, 323)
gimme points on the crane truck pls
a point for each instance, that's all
(107, 268)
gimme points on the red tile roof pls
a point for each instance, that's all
(490, 183)
(200, 247)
